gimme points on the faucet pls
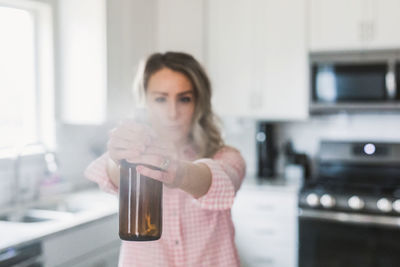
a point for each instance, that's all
(51, 167)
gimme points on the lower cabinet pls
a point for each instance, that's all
(105, 257)
(265, 219)
(95, 244)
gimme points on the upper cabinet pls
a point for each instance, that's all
(386, 23)
(180, 27)
(82, 61)
(256, 57)
(353, 24)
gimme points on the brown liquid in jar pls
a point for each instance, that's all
(140, 205)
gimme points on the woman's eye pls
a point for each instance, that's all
(159, 99)
(185, 99)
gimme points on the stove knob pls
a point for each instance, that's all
(396, 205)
(327, 201)
(384, 205)
(356, 203)
(312, 200)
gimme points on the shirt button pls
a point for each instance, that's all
(176, 242)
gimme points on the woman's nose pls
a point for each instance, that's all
(172, 110)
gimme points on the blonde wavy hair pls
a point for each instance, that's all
(205, 132)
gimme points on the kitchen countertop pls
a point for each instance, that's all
(279, 182)
(15, 234)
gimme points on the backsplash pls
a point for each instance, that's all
(364, 127)
(31, 171)
(240, 133)
(306, 135)
(78, 145)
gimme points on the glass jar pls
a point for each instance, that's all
(140, 204)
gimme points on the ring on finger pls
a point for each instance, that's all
(164, 166)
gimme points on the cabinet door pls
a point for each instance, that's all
(83, 61)
(336, 25)
(180, 27)
(230, 59)
(285, 88)
(107, 257)
(386, 23)
(265, 222)
(256, 57)
(81, 242)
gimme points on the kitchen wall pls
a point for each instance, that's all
(78, 145)
(133, 32)
(31, 173)
(306, 135)
(131, 36)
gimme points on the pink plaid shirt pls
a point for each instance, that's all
(196, 232)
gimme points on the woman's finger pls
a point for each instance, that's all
(117, 143)
(148, 159)
(119, 154)
(161, 176)
(137, 127)
(157, 151)
(123, 133)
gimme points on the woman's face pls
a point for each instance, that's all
(171, 103)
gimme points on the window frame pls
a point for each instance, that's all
(44, 64)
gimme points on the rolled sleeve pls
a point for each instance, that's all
(97, 172)
(227, 169)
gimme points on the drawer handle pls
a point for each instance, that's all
(265, 232)
(265, 207)
(268, 261)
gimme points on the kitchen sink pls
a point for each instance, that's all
(22, 218)
(60, 207)
(33, 216)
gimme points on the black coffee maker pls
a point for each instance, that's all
(266, 150)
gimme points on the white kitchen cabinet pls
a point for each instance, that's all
(180, 26)
(95, 244)
(265, 220)
(256, 58)
(386, 24)
(353, 24)
(83, 61)
(105, 257)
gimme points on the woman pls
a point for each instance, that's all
(201, 175)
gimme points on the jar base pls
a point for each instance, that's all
(138, 238)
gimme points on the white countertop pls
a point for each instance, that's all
(274, 183)
(100, 205)
(96, 203)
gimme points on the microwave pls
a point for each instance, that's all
(355, 81)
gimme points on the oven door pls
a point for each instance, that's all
(335, 239)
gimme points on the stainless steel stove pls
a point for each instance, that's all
(356, 189)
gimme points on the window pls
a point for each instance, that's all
(26, 74)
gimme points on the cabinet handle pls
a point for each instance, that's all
(361, 31)
(265, 207)
(265, 232)
(369, 30)
(101, 263)
(390, 81)
(372, 31)
(267, 261)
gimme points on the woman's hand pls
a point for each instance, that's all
(165, 158)
(128, 141)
